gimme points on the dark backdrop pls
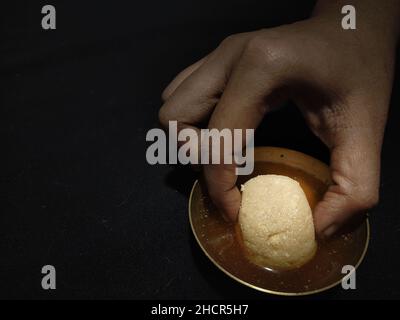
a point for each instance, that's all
(76, 190)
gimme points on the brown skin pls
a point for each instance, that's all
(340, 80)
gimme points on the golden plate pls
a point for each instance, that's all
(221, 241)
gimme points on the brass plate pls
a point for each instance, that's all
(221, 241)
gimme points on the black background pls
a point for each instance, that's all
(76, 190)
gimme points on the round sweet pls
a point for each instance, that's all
(276, 222)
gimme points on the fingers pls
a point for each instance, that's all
(181, 77)
(221, 186)
(355, 166)
(242, 106)
(194, 98)
(195, 94)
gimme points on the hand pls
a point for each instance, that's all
(340, 80)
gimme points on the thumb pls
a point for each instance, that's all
(355, 166)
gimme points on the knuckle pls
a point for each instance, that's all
(262, 49)
(165, 94)
(364, 198)
(360, 188)
(215, 195)
(229, 41)
(256, 44)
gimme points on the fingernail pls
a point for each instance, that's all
(328, 232)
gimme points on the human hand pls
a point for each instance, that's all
(341, 82)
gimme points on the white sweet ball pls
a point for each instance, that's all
(276, 222)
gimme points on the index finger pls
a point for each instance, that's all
(242, 106)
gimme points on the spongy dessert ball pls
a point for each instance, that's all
(276, 222)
